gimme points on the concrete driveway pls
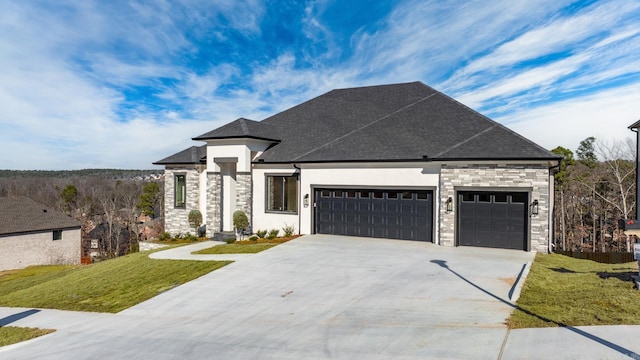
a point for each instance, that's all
(315, 297)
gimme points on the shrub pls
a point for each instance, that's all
(273, 233)
(195, 218)
(164, 236)
(230, 240)
(254, 238)
(261, 233)
(288, 230)
(177, 236)
(240, 220)
(190, 237)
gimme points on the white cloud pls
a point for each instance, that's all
(63, 89)
(427, 39)
(558, 35)
(604, 115)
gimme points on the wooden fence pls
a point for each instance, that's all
(606, 257)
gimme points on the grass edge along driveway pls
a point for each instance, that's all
(14, 334)
(563, 291)
(108, 286)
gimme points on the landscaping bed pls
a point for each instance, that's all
(246, 246)
(564, 291)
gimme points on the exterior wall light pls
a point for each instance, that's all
(305, 200)
(449, 205)
(534, 207)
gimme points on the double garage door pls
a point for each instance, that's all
(484, 218)
(391, 214)
(493, 219)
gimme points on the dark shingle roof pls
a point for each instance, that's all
(192, 155)
(392, 123)
(20, 215)
(242, 128)
(398, 122)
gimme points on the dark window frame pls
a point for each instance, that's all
(283, 201)
(180, 202)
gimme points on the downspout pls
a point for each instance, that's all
(299, 196)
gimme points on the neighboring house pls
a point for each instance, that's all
(400, 161)
(33, 234)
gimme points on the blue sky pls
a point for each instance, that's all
(120, 84)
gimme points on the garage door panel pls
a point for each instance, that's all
(393, 214)
(492, 219)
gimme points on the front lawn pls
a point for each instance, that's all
(561, 290)
(108, 286)
(12, 334)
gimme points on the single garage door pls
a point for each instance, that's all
(391, 214)
(493, 219)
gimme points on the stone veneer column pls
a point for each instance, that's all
(214, 195)
(244, 195)
(176, 220)
(531, 178)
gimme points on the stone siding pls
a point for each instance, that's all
(244, 200)
(20, 251)
(214, 195)
(533, 179)
(176, 220)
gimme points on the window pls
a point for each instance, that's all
(57, 234)
(180, 191)
(282, 193)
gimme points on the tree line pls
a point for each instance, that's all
(594, 190)
(108, 208)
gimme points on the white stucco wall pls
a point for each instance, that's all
(374, 175)
(20, 251)
(243, 149)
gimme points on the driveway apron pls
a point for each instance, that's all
(315, 297)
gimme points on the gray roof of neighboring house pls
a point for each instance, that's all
(398, 122)
(20, 214)
(192, 155)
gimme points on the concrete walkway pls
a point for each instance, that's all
(320, 297)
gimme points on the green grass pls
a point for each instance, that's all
(12, 334)
(236, 248)
(563, 291)
(108, 286)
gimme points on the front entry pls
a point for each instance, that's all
(391, 214)
(493, 219)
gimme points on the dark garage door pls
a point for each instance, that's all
(493, 219)
(391, 214)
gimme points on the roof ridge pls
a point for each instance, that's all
(465, 141)
(243, 125)
(494, 122)
(365, 126)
